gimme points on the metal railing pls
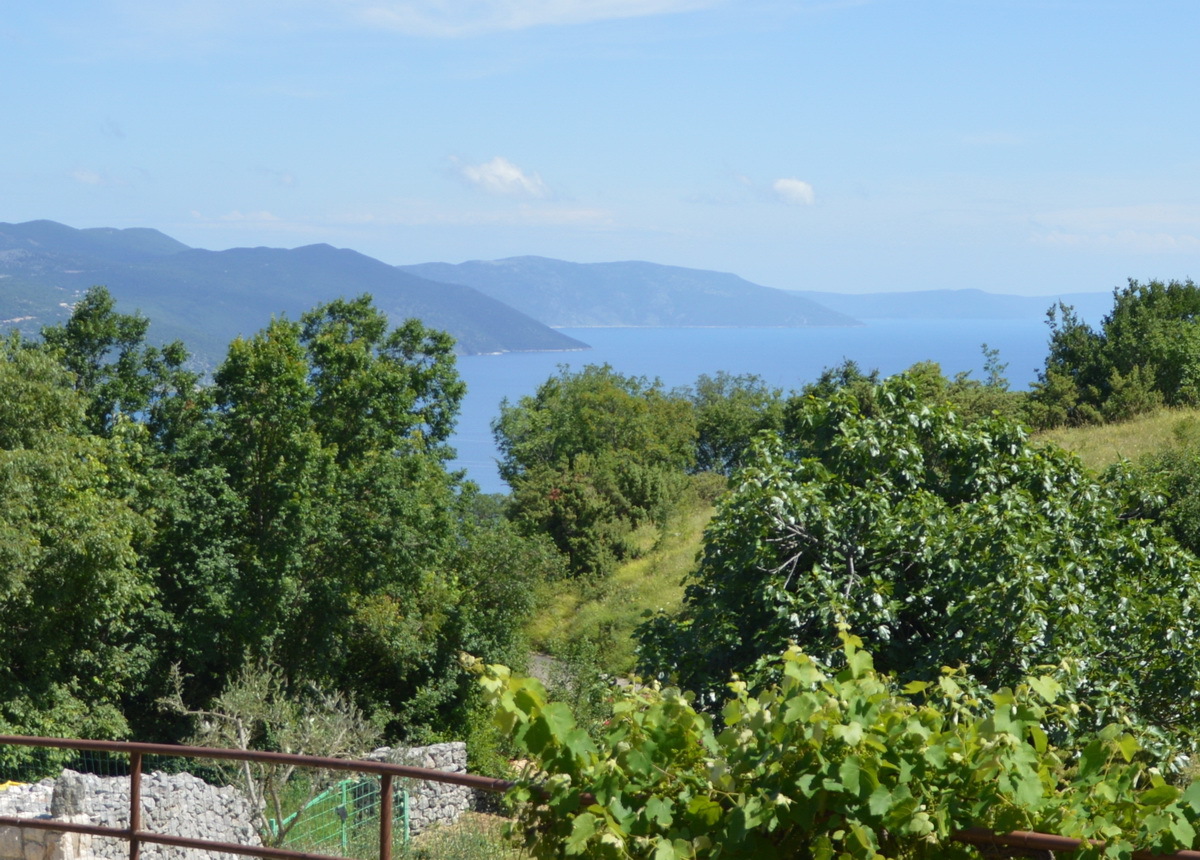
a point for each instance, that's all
(1015, 844)
(1029, 844)
(135, 835)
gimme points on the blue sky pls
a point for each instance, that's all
(1010, 145)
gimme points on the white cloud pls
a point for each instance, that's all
(450, 18)
(501, 177)
(87, 177)
(793, 191)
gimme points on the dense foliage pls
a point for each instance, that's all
(916, 513)
(296, 510)
(161, 536)
(829, 763)
(942, 544)
(1146, 353)
(591, 456)
(730, 411)
(1167, 482)
(70, 586)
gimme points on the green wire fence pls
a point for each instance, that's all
(344, 819)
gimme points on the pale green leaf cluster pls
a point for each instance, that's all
(828, 763)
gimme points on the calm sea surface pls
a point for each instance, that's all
(785, 357)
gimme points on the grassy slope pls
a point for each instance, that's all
(609, 611)
(1102, 446)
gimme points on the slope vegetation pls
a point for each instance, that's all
(1099, 446)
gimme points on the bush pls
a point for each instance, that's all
(945, 544)
(827, 762)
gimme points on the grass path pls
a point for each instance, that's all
(610, 610)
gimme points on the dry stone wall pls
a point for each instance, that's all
(178, 804)
(431, 803)
(183, 805)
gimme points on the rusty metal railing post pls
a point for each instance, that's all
(135, 803)
(136, 835)
(385, 816)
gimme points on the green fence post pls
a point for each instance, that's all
(404, 804)
(346, 821)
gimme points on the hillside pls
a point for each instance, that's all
(560, 293)
(1100, 446)
(206, 298)
(606, 614)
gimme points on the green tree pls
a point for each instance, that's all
(114, 368)
(1073, 384)
(848, 374)
(248, 503)
(730, 411)
(1146, 353)
(945, 544)
(377, 389)
(592, 455)
(311, 521)
(970, 399)
(1153, 326)
(71, 590)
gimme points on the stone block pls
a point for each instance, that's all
(10, 843)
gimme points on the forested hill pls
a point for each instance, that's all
(206, 298)
(958, 304)
(560, 293)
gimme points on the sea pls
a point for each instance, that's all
(785, 358)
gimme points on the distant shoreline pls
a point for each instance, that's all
(561, 327)
(526, 351)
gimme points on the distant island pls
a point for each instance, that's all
(631, 294)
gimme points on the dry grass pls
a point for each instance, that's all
(475, 836)
(1104, 445)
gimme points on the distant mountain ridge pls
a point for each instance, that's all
(959, 304)
(207, 298)
(564, 294)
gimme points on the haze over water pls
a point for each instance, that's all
(785, 358)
